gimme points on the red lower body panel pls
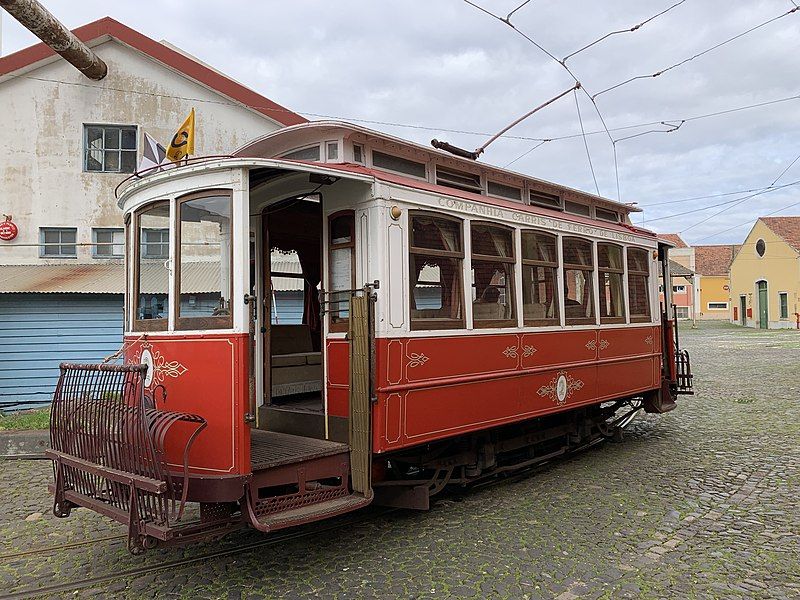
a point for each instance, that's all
(436, 387)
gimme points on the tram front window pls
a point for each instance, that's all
(204, 261)
(152, 276)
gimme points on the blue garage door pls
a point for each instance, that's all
(39, 331)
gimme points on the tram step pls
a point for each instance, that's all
(309, 513)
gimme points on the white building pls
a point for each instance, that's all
(66, 142)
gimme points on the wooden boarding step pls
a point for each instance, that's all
(297, 480)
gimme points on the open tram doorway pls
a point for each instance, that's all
(292, 329)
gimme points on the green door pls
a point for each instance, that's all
(743, 310)
(763, 305)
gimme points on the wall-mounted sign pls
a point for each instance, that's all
(8, 229)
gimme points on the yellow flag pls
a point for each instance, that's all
(182, 144)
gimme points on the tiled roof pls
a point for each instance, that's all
(787, 228)
(673, 238)
(714, 260)
(162, 53)
(678, 270)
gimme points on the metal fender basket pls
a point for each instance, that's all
(108, 451)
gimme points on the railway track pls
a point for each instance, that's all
(61, 589)
(67, 546)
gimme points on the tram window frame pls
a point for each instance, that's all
(588, 271)
(199, 323)
(603, 282)
(638, 272)
(537, 264)
(137, 324)
(433, 323)
(510, 288)
(337, 323)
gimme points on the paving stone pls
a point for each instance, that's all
(698, 503)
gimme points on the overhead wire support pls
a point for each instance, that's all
(508, 22)
(629, 30)
(699, 54)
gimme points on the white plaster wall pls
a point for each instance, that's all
(42, 183)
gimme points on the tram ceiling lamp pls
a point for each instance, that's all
(321, 179)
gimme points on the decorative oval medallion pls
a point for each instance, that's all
(561, 389)
(147, 359)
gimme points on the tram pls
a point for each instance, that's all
(450, 321)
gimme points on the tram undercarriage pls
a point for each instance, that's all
(414, 476)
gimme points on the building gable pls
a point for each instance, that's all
(102, 29)
(787, 228)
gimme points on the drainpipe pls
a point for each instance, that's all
(41, 23)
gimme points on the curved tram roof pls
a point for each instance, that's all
(270, 151)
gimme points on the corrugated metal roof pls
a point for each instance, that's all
(102, 278)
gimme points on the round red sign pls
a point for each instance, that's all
(8, 230)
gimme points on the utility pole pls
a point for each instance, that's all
(41, 23)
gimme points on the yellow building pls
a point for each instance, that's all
(765, 275)
(712, 265)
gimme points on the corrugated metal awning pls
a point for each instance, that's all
(199, 277)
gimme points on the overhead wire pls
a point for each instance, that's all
(585, 142)
(699, 54)
(629, 30)
(735, 201)
(413, 125)
(769, 214)
(770, 187)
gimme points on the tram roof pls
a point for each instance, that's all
(276, 143)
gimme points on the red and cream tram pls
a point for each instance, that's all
(334, 317)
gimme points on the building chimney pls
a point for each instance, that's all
(39, 21)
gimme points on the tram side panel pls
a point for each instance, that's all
(203, 374)
(436, 387)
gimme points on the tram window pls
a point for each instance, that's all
(576, 208)
(545, 200)
(310, 153)
(436, 259)
(638, 284)
(204, 261)
(492, 276)
(539, 279)
(340, 265)
(612, 295)
(504, 191)
(460, 180)
(398, 164)
(151, 277)
(578, 291)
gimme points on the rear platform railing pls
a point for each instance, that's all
(108, 450)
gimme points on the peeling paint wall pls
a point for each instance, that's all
(42, 183)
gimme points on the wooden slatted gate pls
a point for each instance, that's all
(361, 336)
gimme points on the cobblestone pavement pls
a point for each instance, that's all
(701, 503)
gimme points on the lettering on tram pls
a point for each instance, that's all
(332, 318)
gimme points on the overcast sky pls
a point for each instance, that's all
(443, 65)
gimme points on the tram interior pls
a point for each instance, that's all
(293, 372)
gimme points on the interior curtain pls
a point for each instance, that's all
(310, 263)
